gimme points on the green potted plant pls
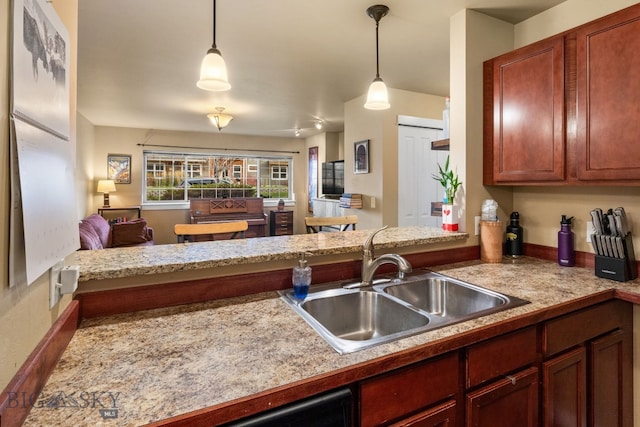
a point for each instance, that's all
(451, 183)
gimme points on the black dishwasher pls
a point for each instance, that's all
(332, 409)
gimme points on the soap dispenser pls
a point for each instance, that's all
(566, 251)
(301, 278)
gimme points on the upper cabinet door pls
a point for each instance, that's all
(525, 115)
(608, 95)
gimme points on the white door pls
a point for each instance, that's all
(417, 162)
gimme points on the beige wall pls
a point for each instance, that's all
(25, 316)
(380, 128)
(475, 37)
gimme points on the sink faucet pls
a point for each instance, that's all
(370, 264)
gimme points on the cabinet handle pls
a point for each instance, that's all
(512, 378)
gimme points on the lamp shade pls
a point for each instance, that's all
(213, 72)
(106, 186)
(377, 98)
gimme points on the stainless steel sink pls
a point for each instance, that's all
(446, 297)
(362, 315)
(354, 319)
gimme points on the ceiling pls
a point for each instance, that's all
(290, 62)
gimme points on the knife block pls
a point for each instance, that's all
(618, 269)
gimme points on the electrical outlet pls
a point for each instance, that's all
(54, 278)
(590, 231)
(477, 222)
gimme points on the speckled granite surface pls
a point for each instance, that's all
(160, 363)
(140, 260)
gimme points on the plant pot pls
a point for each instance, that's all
(449, 217)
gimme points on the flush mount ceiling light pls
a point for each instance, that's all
(219, 119)
(377, 98)
(213, 71)
(318, 124)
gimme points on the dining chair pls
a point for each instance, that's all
(187, 232)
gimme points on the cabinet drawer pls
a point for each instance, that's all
(443, 415)
(284, 217)
(498, 356)
(572, 329)
(391, 396)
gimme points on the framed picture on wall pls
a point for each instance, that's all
(119, 168)
(361, 157)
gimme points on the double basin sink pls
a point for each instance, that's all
(354, 319)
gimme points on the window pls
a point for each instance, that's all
(278, 172)
(179, 177)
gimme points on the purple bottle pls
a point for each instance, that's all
(566, 251)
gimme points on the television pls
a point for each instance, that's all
(333, 179)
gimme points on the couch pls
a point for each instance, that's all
(97, 233)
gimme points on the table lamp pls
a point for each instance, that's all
(106, 186)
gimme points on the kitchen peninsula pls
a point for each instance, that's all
(216, 361)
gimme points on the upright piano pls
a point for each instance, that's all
(250, 209)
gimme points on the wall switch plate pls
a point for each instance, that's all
(590, 231)
(477, 222)
(373, 202)
(54, 278)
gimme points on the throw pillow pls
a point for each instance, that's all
(129, 233)
(89, 239)
(101, 227)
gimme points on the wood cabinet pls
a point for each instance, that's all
(511, 398)
(511, 401)
(398, 395)
(280, 223)
(443, 415)
(608, 92)
(564, 110)
(590, 384)
(524, 115)
(570, 371)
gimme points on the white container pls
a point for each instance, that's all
(445, 118)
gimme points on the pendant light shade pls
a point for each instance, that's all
(213, 71)
(219, 119)
(377, 97)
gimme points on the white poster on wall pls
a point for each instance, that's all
(40, 71)
(48, 198)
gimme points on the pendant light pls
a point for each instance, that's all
(213, 71)
(219, 119)
(377, 98)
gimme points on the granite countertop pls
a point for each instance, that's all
(141, 260)
(142, 367)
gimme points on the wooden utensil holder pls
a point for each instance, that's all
(491, 238)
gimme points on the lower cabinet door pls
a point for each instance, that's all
(443, 415)
(511, 401)
(564, 390)
(610, 397)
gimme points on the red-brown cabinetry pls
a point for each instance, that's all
(587, 378)
(565, 110)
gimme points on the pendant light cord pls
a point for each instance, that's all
(214, 25)
(377, 59)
